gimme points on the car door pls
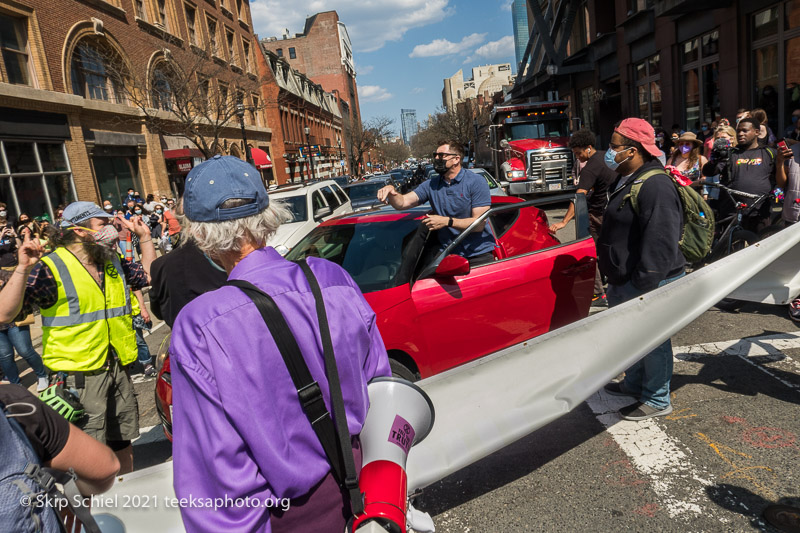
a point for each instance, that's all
(506, 302)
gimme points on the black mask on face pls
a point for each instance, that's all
(440, 166)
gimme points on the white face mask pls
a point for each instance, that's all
(3, 213)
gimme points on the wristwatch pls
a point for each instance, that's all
(450, 223)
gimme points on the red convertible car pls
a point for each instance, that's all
(434, 312)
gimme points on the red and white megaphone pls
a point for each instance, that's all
(400, 415)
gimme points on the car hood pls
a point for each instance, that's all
(287, 234)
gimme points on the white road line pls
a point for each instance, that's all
(656, 455)
(153, 329)
(149, 434)
(662, 458)
(769, 347)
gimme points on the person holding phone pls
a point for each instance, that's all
(9, 241)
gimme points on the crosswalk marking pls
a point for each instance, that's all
(655, 454)
(662, 458)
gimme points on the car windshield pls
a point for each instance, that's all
(371, 252)
(362, 191)
(298, 207)
(486, 176)
(537, 130)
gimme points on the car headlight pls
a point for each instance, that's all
(515, 174)
(281, 249)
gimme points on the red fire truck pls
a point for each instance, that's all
(529, 147)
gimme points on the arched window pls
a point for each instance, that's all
(161, 92)
(97, 72)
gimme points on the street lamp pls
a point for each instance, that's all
(339, 144)
(240, 114)
(307, 131)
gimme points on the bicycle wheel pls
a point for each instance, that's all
(740, 240)
(769, 231)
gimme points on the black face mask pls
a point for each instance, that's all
(440, 166)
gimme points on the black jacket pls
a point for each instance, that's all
(178, 278)
(642, 249)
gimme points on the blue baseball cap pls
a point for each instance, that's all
(78, 212)
(222, 178)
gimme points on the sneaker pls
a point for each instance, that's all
(149, 370)
(794, 311)
(42, 385)
(642, 411)
(599, 300)
(615, 389)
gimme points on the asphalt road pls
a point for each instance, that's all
(729, 449)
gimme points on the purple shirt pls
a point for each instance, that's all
(238, 427)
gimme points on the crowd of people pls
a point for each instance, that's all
(164, 231)
(205, 291)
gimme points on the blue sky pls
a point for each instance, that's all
(403, 49)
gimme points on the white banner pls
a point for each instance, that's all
(488, 404)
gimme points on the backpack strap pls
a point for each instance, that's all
(308, 390)
(633, 195)
(337, 402)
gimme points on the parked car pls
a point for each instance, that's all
(309, 204)
(494, 186)
(434, 312)
(342, 181)
(364, 195)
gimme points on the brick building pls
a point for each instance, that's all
(83, 85)
(323, 52)
(292, 103)
(669, 61)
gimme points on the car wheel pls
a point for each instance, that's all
(400, 371)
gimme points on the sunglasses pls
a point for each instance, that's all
(442, 155)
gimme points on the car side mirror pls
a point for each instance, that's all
(451, 266)
(322, 212)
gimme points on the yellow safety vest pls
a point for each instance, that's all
(78, 329)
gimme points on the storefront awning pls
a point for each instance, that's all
(182, 153)
(260, 158)
(179, 147)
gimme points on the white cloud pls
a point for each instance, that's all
(443, 47)
(373, 93)
(506, 5)
(370, 23)
(417, 90)
(362, 71)
(500, 49)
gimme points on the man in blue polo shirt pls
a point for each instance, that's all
(458, 197)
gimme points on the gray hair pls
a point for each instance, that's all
(214, 238)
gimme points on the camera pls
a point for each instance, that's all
(721, 151)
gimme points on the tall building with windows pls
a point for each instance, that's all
(485, 81)
(519, 18)
(324, 53)
(681, 62)
(408, 124)
(91, 93)
(294, 103)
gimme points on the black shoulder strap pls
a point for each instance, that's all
(337, 402)
(308, 390)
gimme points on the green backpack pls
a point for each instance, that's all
(698, 219)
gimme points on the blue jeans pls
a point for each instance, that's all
(144, 351)
(649, 377)
(19, 338)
